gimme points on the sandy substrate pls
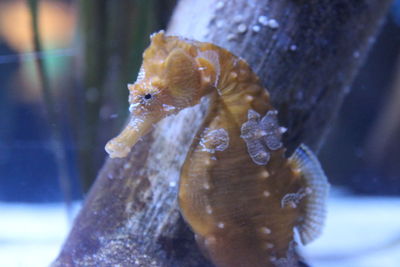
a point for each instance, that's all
(360, 232)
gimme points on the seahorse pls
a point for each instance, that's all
(238, 192)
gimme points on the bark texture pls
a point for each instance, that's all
(306, 58)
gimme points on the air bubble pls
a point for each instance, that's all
(242, 28)
(256, 28)
(220, 5)
(263, 20)
(237, 18)
(273, 24)
(230, 37)
(219, 23)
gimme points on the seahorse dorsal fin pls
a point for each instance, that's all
(317, 188)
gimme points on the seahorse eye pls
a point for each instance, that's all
(148, 96)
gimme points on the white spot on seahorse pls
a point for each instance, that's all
(265, 230)
(206, 186)
(133, 106)
(141, 74)
(134, 123)
(168, 107)
(212, 57)
(269, 245)
(209, 209)
(249, 98)
(210, 240)
(214, 140)
(266, 193)
(264, 174)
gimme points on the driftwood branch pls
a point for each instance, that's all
(307, 58)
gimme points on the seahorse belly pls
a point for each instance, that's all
(233, 204)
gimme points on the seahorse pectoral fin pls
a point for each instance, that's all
(121, 145)
(316, 192)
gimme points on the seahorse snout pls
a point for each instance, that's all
(121, 145)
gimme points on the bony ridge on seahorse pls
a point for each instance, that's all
(238, 192)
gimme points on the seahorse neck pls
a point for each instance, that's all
(240, 91)
(237, 88)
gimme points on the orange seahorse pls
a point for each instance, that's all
(238, 192)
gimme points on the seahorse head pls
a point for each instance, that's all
(169, 80)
